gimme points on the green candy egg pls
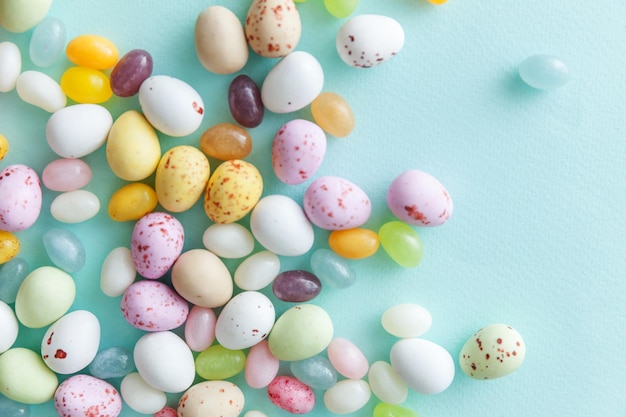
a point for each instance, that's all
(217, 362)
(25, 378)
(21, 15)
(402, 243)
(390, 410)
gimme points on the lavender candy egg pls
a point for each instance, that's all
(156, 243)
(20, 198)
(417, 198)
(153, 306)
(334, 203)
(298, 151)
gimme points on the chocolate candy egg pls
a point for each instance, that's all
(20, 198)
(80, 395)
(156, 242)
(273, 27)
(220, 40)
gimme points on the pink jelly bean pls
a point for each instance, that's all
(291, 395)
(261, 366)
(347, 358)
(166, 412)
(200, 328)
(66, 174)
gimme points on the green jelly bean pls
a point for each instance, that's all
(390, 410)
(25, 378)
(341, 8)
(402, 243)
(217, 362)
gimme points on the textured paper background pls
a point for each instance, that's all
(537, 236)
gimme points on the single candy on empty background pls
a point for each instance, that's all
(544, 72)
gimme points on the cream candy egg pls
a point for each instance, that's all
(220, 40)
(406, 320)
(118, 272)
(334, 203)
(71, 342)
(9, 326)
(20, 198)
(140, 396)
(75, 206)
(245, 320)
(40, 90)
(229, 241)
(171, 105)
(257, 271)
(492, 352)
(85, 395)
(418, 198)
(153, 306)
(273, 27)
(293, 83)
(10, 66)
(211, 399)
(347, 396)
(368, 40)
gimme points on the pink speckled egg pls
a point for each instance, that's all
(87, 396)
(417, 198)
(20, 198)
(273, 27)
(334, 203)
(298, 151)
(291, 395)
(153, 306)
(156, 243)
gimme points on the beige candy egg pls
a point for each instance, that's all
(273, 27)
(220, 40)
(212, 399)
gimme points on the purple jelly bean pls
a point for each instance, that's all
(296, 286)
(244, 101)
(130, 71)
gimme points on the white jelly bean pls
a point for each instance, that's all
(10, 66)
(140, 396)
(9, 326)
(406, 320)
(75, 206)
(257, 271)
(118, 272)
(544, 72)
(347, 396)
(230, 240)
(386, 384)
(40, 90)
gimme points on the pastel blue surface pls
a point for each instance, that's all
(536, 239)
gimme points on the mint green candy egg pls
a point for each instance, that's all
(217, 362)
(25, 378)
(341, 8)
(402, 243)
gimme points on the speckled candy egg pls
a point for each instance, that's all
(334, 203)
(20, 198)
(211, 399)
(156, 243)
(298, 151)
(291, 395)
(273, 27)
(492, 352)
(85, 395)
(245, 320)
(417, 198)
(153, 306)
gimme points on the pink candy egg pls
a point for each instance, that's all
(334, 203)
(291, 395)
(85, 395)
(261, 365)
(298, 151)
(156, 243)
(200, 328)
(20, 198)
(66, 174)
(417, 198)
(153, 306)
(347, 358)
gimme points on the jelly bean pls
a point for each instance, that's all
(86, 85)
(92, 51)
(332, 269)
(40, 90)
(10, 408)
(9, 326)
(47, 42)
(200, 328)
(261, 366)
(406, 320)
(341, 8)
(21, 15)
(166, 412)
(217, 362)
(296, 286)
(140, 396)
(437, 1)
(226, 141)
(75, 206)
(113, 362)
(316, 372)
(130, 71)
(132, 202)
(257, 271)
(544, 72)
(230, 241)
(25, 378)
(390, 410)
(386, 384)
(402, 243)
(66, 174)
(244, 101)
(12, 275)
(347, 396)
(291, 395)
(333, 114)
(4, 146)
(153, 306)
(64, 249)
(212, 398)
(347, 358)
(10, 66)
(9, 246)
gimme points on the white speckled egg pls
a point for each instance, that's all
(211, 399)
(153, 306)
(156, 243)
(293, 83)
(334, 203)
(245, 320)
(298, 151)
(20, 198)
(85, 395)
(368, 40)
(273, 27)
(171, 105)
(492, 352)
(417, 198)
(71, 343)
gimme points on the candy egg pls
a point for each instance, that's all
(226, 141)
(492, 352)
(40, 90)
(4, 146)
(228, 241)
(402, 243)
(82, 395)
(20, 198)
(316, 372)
(291, 395)
(21, 15)
(112, 362)
(296, 286)
(334, 203)
(367, 40)
(347, 358)
(417, 198)
(153, 306)
(9, 326)
(140, 396)
(386, 384)
(257, 271)
(220, 40)
(245, 320)
(9, 246)
(273, 27)
(66, 174)
(356, 243)
(12, 274)
(25, 378)
(212, 399)
(132, 201)
(406, 320)
(10, 65)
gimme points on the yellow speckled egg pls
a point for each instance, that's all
(132, 202)
(9, 246)
(232, 192)
(181, 177)
(4, 146)
(133, 150)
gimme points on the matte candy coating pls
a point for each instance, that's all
(20, 198)
(86, 85)
(153, 306)
(9, 246)
(220, 40)
(9, 326)
(229, 241)
(40, 90)
(80, 394)
(273, 27)
(245, 320)
(25, 378)
(10, 65)
(130, 71)
(112, 362)
(291, 395)
(140, 396)
(92, 51)
(212, 399)
(406, 320)
(21, 15)
(75, 206)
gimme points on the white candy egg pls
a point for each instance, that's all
(118, 272)
(230, 240)
(245, 320)
(40, 90)
(140, 396)
(75, 206)
(10, 66)
(257, 271)
(9, 326)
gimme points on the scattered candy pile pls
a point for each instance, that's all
(230, 326)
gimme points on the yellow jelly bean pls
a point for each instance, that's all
(333, 114)
(92, 51)
(86, 85)
(9, 246)
(354, 243)
(4, 146)
(437, 1)
(132, 201)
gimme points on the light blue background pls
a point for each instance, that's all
(536, 239)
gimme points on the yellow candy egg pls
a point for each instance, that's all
(4, 146)
(92, 51)
(333, 114)
(9, 246)
(181, 177)
(133, 150)
(354, 243)
(232, 192)
(86, 85)
(132, 202)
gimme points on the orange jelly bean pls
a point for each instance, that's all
(354, 243)
(333, 114)
(86, 85)
(92, 51)
(226, 141)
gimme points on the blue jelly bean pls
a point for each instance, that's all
(11, 276)
(64, 249)
(114, 362)
(48, 42)
(332, 269)
(544, 72)
(317, 372)
(10, 408)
